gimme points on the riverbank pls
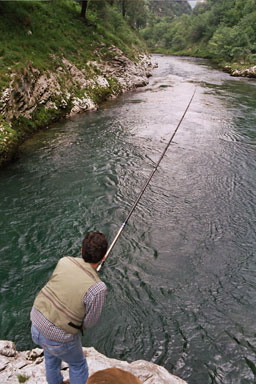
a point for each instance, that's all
(34, 99)
(28, 366)
(241, 71)
(56, 63)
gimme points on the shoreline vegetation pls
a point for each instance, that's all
(55, 63)
(221, 31)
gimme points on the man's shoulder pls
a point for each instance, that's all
(64, 259)
(99, 287)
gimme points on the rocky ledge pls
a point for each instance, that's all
(73, 89)
(242, 72)
(28, 366)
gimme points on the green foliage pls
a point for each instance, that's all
(136, 13)
(41, 117)
(167, 8)
(222, 45)
(164, 34)
(223, 30)
(22, 378)
(101, 94)
(8, 137)
(160, 31)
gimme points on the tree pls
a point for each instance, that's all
(229, 44)
(123, 5)
(136, 13)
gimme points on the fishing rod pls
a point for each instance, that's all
(145, 185)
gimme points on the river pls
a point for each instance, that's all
(182, 277)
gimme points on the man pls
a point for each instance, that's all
(71, 301)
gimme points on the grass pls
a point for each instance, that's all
(32, 32)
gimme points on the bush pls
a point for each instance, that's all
(229, 44)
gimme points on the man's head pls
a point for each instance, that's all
(94, 247)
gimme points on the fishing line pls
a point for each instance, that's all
(145, 185)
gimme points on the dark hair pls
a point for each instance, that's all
(94, 247)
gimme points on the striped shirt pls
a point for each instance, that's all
(93, 300)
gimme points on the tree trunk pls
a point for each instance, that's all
(123, 8)
(84, 8)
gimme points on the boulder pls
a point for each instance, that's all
(7, 348)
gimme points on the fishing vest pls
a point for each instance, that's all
(61, 299)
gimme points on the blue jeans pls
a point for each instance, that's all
(54, 352)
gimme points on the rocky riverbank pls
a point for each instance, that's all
(34, 99)
(241, 72)
(28, 366)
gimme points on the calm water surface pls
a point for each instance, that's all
(182, 277)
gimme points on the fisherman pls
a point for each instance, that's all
(70, 302)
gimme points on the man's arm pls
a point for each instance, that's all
(94, 300)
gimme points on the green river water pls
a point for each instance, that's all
(182, 277)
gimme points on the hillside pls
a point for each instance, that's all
(167, 8)
(161, 15)
(53, 62)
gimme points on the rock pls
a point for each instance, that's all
(241, 72)
(4, 361)
(31, 89)
(147, 372)
(27, 91)
(29, 365)
(34, 354)
(82, 104)
(7, 348)
(128, 73)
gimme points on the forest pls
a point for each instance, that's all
(222, 30)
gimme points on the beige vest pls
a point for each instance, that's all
(61, 299)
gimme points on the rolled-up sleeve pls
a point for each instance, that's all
(94, 300)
